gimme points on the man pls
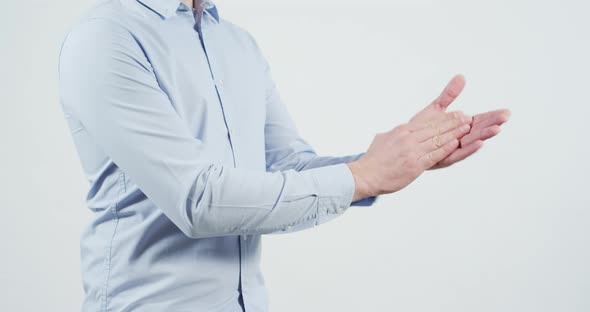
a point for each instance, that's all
(192, 156)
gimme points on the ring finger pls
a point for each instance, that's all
(437, 141)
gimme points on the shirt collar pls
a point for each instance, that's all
(167, 8)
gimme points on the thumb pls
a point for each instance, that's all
(450, 93)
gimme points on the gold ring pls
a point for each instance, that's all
(436, 140)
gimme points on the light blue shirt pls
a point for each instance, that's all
(190, 154)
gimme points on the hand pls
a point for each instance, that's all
(484, 126)
(397, 157)
(432, 139)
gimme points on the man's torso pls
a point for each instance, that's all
(133, 256)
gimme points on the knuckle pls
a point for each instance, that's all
(461, 117)
(448, 137)
(431, 128)
(452, 145)
(434, 127)
(430, 156)
(459, 131)
(437, 141)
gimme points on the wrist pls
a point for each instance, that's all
(361, 186)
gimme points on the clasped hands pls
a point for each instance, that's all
(432, 139)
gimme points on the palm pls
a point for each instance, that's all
(483, 127)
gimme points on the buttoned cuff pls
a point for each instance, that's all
(336, 187)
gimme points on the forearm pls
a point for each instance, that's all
(309, 160)
(321, 161)
(105, 79)
(230, 202)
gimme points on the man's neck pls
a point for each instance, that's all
(193, 4)
(189, 3)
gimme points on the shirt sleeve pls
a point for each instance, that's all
(108, 84)
(285, 148)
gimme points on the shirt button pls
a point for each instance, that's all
(245, 237)
(219, 83)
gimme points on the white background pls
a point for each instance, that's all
(507, 230)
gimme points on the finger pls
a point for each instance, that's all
(438, 141)
(432, 158)
(437, 118)
(440, 104)
(480, 135)
(450, 93)
(434, 128)
(460, 154)
(488, 119)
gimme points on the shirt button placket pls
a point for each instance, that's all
(244, 269)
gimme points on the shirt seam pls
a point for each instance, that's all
(318, 200)
(282, 226)
(108, 258)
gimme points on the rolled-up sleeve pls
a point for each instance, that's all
(107, 83)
